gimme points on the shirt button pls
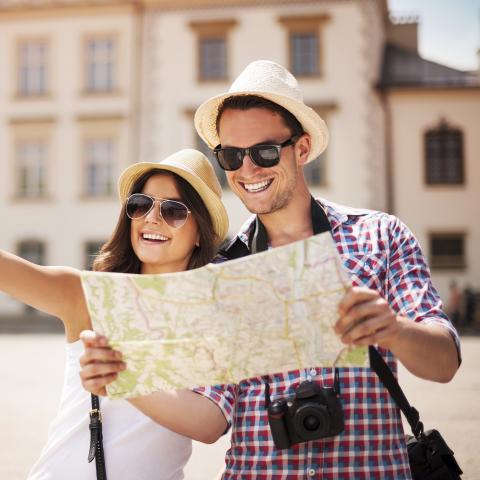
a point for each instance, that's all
(313, 372)
(311, 472)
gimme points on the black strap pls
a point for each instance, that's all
(96, 439)
(258, 242)
(380, 367)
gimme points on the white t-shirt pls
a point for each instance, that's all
(136, 448)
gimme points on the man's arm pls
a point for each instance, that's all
(407, 316)
(182, 411)
(426, 350)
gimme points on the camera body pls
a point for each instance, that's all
(312, 413)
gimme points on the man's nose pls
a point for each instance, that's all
(248, 166)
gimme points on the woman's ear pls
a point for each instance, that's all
(197, 240)
(302, 149)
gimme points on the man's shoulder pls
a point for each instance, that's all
(344, 214)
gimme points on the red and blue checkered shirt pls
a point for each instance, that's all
(379, 252)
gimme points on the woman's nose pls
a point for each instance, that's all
(154, 214)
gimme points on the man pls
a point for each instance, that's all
(263, 135)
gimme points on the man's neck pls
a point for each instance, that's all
(292, 223)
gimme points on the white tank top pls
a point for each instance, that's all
(136, 448)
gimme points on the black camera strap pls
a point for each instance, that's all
(96, 439)
(258, 242)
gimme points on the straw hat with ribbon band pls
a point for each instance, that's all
(269, 80)
(194, 167)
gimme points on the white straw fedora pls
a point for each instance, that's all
(275, 83)
(195, 168)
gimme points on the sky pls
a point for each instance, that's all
(449, 30)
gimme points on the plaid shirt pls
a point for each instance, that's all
(379, 252)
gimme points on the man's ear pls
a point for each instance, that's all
(302, 149)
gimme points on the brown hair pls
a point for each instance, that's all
(247, 102)
(117, 254)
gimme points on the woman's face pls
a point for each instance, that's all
(172, 248)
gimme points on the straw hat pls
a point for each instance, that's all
(275, 83)
(195, 168)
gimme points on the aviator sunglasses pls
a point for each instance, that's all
(262, 155)
(173, 212)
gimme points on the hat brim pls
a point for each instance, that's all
(215, 207)
(206, 119)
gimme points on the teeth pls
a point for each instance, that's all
(153, 236)
(256, 187)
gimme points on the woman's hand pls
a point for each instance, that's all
(99, 363)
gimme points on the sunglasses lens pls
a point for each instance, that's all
(174, 213)
(138, 206)
(265, 155)
(229, 158)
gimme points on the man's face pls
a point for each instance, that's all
(262, 190)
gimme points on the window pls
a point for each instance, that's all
(314, 171)
(203, 147)
(99, 154)
(92, 249)
(304, 51)
(444, 156)
(212, 40)
(30, 161)
(32, 250)
(32, 74)
(304, 44)
(447, 250)
(213, 58)
(100, 56)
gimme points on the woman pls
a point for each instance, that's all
(172, 220)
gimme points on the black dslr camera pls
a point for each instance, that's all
(312, 413)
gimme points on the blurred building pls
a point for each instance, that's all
(67, 125)
(93, 86)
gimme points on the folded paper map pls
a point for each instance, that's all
(267, 313)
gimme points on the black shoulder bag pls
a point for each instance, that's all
(429, 456)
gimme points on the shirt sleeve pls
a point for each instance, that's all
(223, 396)
(410, 289)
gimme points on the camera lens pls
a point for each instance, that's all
(311, 423)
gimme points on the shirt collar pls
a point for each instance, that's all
(337, 215)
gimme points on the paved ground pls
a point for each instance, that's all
(31, 367)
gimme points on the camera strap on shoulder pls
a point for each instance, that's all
(96, 439)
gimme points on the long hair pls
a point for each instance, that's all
(117, 254)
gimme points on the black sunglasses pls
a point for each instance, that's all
(265, 156)
(173, 212)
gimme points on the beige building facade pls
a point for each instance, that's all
(91, 89)
(67, 126)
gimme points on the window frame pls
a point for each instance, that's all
(302, 25)
(115, 64)
(443, 128)
(20, 93)
(219, 29)
(448, 262)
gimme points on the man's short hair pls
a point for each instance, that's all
(247, 102)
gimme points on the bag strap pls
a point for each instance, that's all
(96, 439)
(380, 367)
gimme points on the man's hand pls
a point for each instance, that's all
(99, 363)
(366, 319)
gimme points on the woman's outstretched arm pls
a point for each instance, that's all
(182, 411)
(53, 290)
